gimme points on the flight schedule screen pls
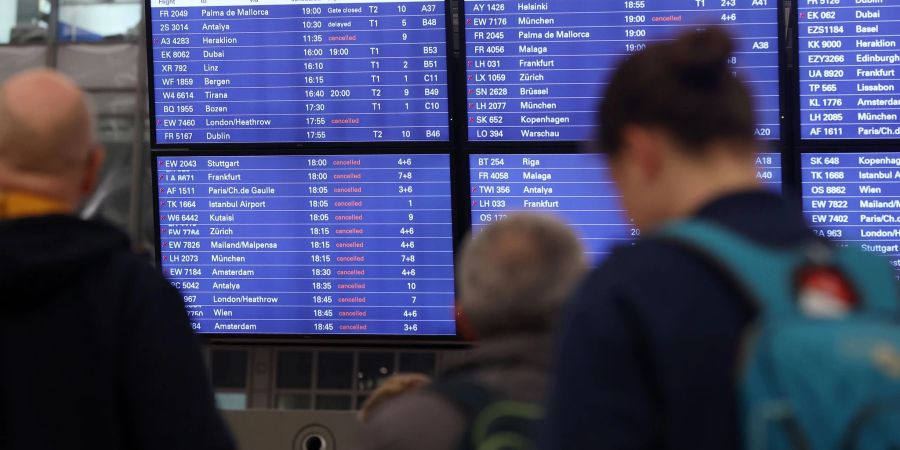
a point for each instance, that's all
(536, 69)
(359, 244)
(280, 71)
(854, 199)
(577, 188)
(848, 69)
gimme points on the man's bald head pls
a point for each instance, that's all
(47, 138)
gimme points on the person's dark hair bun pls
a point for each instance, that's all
(684, 86)
(701, 58)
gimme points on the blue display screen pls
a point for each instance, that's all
(333, 245)
(282, 71)
(854, 199)
(848, 69)
(536, 69)
(575, 187)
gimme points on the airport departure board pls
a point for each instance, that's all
(848, 69)
(350, 244)
(576, 187)
(854, 199)
(536, 69)
(287, 71)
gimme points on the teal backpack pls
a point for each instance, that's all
(810, 383)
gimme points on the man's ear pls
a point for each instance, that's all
(644, 150)
(92, 170)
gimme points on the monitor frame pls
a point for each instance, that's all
(436, 146)
(458, 339)
(579, 145)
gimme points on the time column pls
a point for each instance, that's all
(382, 247)
(321, 247)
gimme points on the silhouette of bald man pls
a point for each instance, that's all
(47, 143)
(96, 350)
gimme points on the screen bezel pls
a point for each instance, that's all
(368, 339)
(436, 146)
(578, 145)
(797, 100)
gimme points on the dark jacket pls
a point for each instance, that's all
(649, 355)
(96, 350)
(515, 366)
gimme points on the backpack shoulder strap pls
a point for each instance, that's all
(765, 275)
(874, 280)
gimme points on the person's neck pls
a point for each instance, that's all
(19, 205)
(701, 183)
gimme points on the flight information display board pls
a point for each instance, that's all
(359, 244)
(848, 69)
(576, 187)
(536, 69)
(854, 199)
(283, 71)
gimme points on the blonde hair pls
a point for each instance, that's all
(394, 386)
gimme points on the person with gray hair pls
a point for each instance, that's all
(97, 346)
(514, 277)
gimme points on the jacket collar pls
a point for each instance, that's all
(17, 205)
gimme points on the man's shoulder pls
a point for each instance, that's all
(425, 399)
(407, 421)
(114, 247)
(121, 266)
(113, 262)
